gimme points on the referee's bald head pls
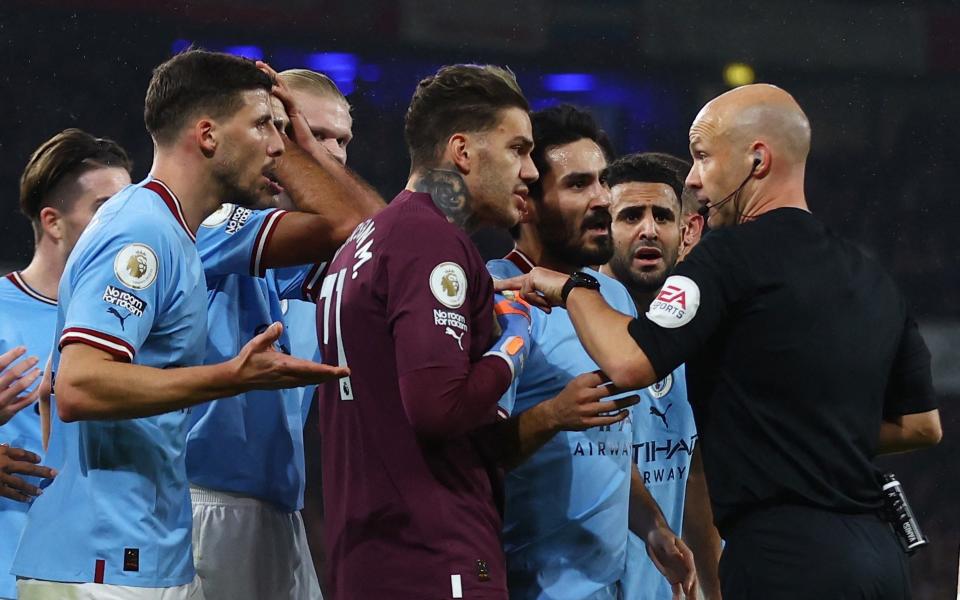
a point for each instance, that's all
(749, 148)
(759, 112)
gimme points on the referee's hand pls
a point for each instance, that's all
(22, 462)
(540, 287)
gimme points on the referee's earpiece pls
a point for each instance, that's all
(756, 162)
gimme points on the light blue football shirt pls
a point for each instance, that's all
(28, 320)
(250, 444)
(664, 435)
(300, 321)
(565, 527)
(119, 510)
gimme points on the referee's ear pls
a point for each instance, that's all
(762, 160)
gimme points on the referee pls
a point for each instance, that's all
(802, 363)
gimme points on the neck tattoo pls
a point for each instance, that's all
(450, 194)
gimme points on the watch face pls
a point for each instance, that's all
(583, 280)
(578, 280)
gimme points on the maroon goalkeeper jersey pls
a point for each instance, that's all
(409, 509)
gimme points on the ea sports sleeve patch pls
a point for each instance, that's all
(676, 304)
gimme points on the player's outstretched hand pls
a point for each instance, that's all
(18, 460)
(15, 378)
(674, 560)
(580, 405)
(540, 287)
(261, 366)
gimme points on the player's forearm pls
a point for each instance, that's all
(512, 441)
(645, 514)
(98, 388)
(698, 530)
(603, 333)
(322, 186)
(454, 405)
(910, 432)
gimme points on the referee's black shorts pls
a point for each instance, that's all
(796, 552)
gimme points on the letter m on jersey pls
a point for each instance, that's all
(672, 294)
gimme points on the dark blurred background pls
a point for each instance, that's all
(880, 81)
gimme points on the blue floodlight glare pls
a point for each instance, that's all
(568, 82)
(251, 52)
(331, 63)
(341, 67)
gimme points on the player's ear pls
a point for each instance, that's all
(205, 133)
(459, 152)
(51, 223)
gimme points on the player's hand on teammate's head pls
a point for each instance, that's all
(540, 287)
(260, 365)
(580, 406)
(299, 127)
(19, 461)
(674, 560)
(15, 377)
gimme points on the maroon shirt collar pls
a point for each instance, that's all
(521, 260)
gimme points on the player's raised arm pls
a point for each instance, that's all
(331, 199)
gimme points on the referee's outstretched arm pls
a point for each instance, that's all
(601, 329)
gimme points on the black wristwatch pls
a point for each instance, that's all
(578, 279)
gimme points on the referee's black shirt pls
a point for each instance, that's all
(796, 345)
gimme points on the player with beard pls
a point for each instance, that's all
(573, 494)
(409, 492)
(692, 223)
(649, 232)
(797, 347)
(116, 520)
(64, 183)
(245, 454)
